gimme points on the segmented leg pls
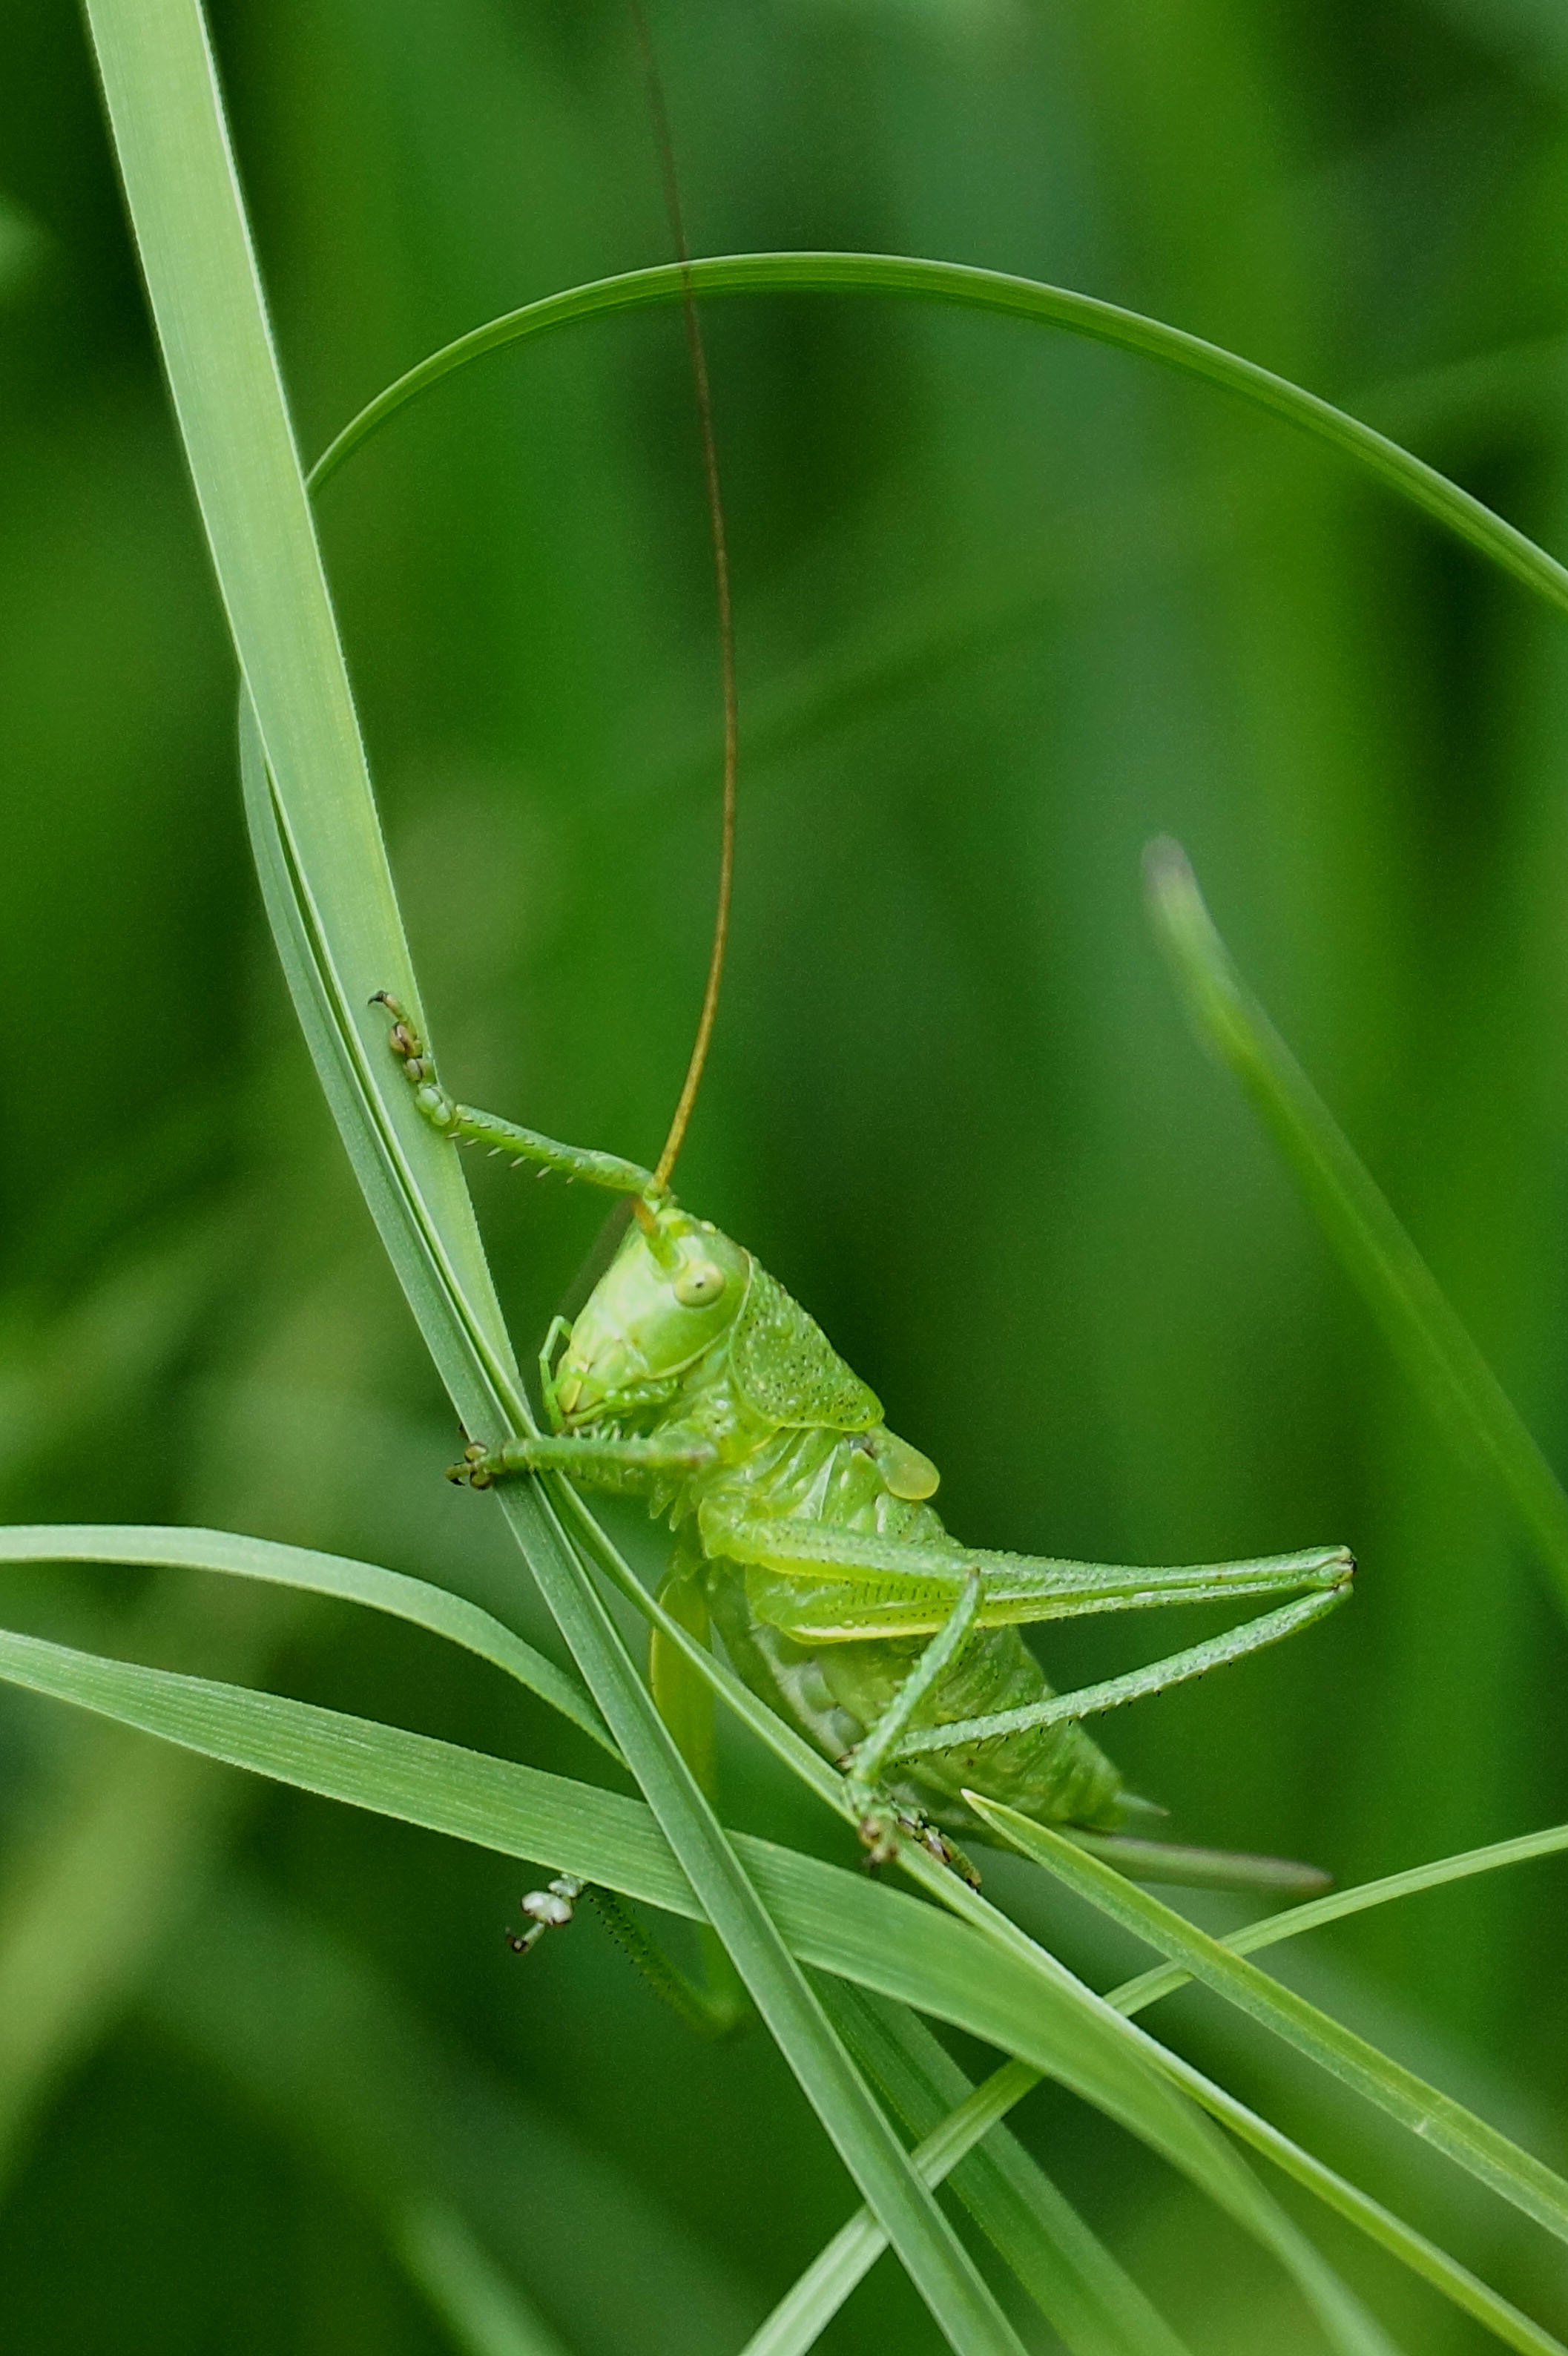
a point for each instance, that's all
(547, 1910)
(467, 1127)
(1253, 1636)
(854, 1584)
(876, 1816)
(608, 1462)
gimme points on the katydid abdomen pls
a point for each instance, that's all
(835, 1688)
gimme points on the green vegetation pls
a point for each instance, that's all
(1008, 605)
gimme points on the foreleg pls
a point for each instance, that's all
(464, 1125)
(598, 1464)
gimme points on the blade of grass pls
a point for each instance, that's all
(814, 2298)
(1342, 2317)
(821, 2290)
(1378, 1256)
(1516, 2175)
(1080, 2288)
(414, 1600)
(1008, 1991)
(183, 200)
(184, 197)
(960, 284)
(484, 2314)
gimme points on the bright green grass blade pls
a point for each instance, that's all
(185, 204)
(1166, 1978)
(1345, 2323)
(484, 2314)
(989, 289)
(853, 2251)
(415, 1599)
(812, 2301)
(1081, 2290)
(1513, 2174)
(206, 303)
(1377, 1254)
(1001, 1988)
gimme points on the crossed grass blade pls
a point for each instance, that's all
(343, 941)
(1515, 2175)
(1001, 1988)
(1092, 2057)
(1081, 2290)
(810, 2304)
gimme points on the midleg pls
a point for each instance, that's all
(466, 1126)
(876, 1817)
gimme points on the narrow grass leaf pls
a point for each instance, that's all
(1513, 2174)
(172, 146)
(186, 207)
(804, 2311)
(959, 283)
(1377, 1254)
(483, 2312)
(1080, 2288)
(414, 1600)
(1012, 1995)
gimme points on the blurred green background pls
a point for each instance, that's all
(1005, 607)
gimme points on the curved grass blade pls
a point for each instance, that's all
(1380, 2224)
(961, 284)
(1166, 1978)
(414, 1600)
(344, 940)
(1081, 2290)
(1378, 1256)
(811, 2303)
(1515, 2175)
(1009, 1992)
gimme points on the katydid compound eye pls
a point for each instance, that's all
(699, 1282)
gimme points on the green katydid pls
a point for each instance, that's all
(804, 1536)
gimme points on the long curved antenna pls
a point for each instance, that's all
(666, 145)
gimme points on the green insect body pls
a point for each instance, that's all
(802, 1458)
(806, 1538)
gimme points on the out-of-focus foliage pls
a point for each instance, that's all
(1005, 609)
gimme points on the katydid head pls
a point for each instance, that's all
(674, 1289)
